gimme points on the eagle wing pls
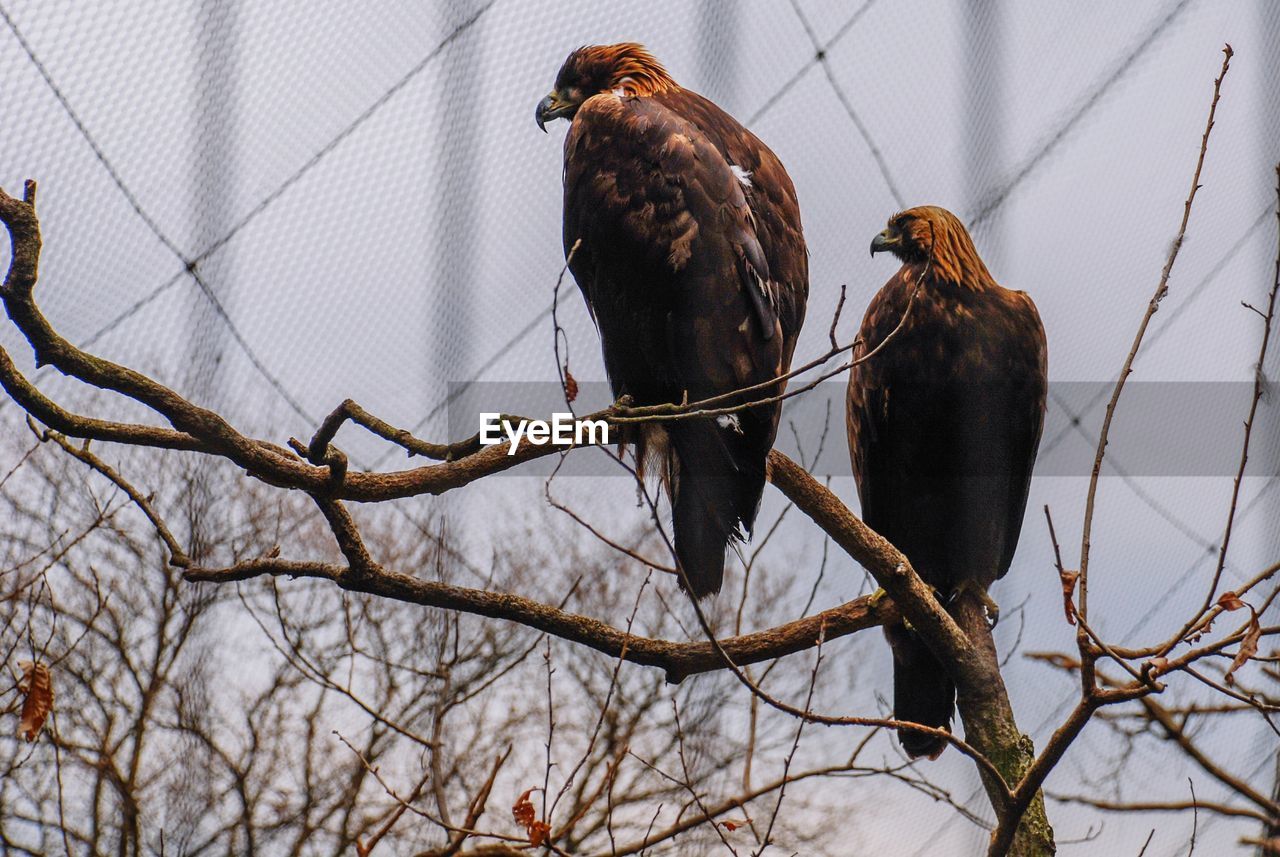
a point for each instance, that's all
(770, 196)
(1027, 330)
(944, 423)
(691, 259)
(678, 189)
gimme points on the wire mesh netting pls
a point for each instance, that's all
(273, 207)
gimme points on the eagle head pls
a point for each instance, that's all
(932, 237)
(627, 69)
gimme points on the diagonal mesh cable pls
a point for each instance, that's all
(191, 264)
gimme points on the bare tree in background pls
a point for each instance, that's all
(158, 742)
(485, 697)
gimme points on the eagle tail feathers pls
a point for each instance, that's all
(923, 693)
(700, 542)
(715, 494)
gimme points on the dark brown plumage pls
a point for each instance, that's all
(693, 265)
(944, 423)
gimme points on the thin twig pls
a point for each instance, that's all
(562, 367)
(1259, 387)
(177, 556)
(1152, 306)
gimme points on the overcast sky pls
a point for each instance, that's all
(371, 212)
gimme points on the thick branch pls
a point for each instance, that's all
(31, 400)
(678, 660)
(350, 410)
(963, 643)
(887, 564)
(196, 427)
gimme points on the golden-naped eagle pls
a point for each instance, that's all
(693, 265)
(944, 423)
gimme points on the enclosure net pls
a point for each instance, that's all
(273, 207)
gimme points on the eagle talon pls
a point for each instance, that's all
(989, 605)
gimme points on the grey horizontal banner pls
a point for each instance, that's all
(1160, 428)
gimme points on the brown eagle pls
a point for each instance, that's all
(693, 265)
(944, 423)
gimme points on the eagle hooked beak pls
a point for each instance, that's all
(551, 108)
(886, 240)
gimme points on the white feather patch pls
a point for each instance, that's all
(744, 176)
(729, 421)
(765, 291)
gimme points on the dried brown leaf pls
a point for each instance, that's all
(1197, 635)
(1157, 666)
(523, 810)
(732, 824)
(1069, 579)
(37, 686)
(570, 385)
(1248, 646)
(526, 816)
(1230, 601)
